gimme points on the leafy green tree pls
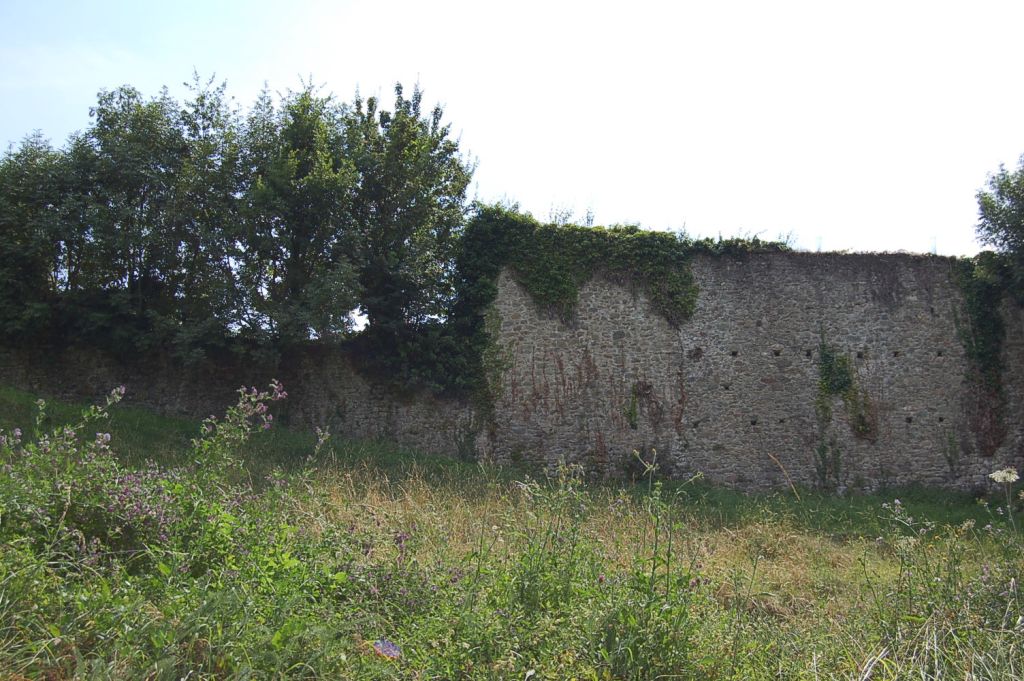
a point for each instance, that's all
(29, 221)
(205, 221)
(150, 210)
(139, 150)
(80, 265)
(296, 267)
(180, 225)
(93, 305)
(1001, 220)
(408, 210)
(146, 205)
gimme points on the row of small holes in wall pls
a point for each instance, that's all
(754, 421)
(698, 352)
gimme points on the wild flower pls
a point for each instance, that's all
(116, 395)
(1006, 476)
(323, 435)
(140, 500)
(386, 648)
(277, 479)
(13, 440)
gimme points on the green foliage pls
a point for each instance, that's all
(138, 211)
(554, 555)
(632, 409)
(650, 628)
(836, 377)
(209, 567)
(553, 262)
(1001, 221)
(298, 272)
(190, 227)
(835, 371)
(409, 209)
(28, 181)
(984, 281)
(862, 413)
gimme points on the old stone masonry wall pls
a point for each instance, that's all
(736, 393)
(324, 390)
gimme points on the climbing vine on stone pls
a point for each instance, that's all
(837, 377)
(985, 280)
(553, 262)
(455, 355)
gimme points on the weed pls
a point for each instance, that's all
(234, 556)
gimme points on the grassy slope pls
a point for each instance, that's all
(483, 573)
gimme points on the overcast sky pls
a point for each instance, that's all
(864, 126)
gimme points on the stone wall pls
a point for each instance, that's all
(733, 393)
(323, 390)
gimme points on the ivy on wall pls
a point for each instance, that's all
(553, 262)
(985, 280)
(837, 378)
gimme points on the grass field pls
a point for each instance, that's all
(177, 549)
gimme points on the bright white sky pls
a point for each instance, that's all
(858, 125)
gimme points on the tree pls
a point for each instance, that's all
(168, 225)
(205, 219)
(408, 210)
(28, 223)
(119, 248)
(296, 266)
(1001, 220)
(140, 150)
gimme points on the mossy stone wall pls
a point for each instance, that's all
(739, 391)
(742, 378)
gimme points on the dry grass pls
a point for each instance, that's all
(296, 565)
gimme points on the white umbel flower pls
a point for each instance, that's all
(1006, 476)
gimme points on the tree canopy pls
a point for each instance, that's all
(192, 224)
(194, 228)
(1001, 220)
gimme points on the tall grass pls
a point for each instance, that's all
(240, 552)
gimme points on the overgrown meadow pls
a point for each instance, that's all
(135, 546)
